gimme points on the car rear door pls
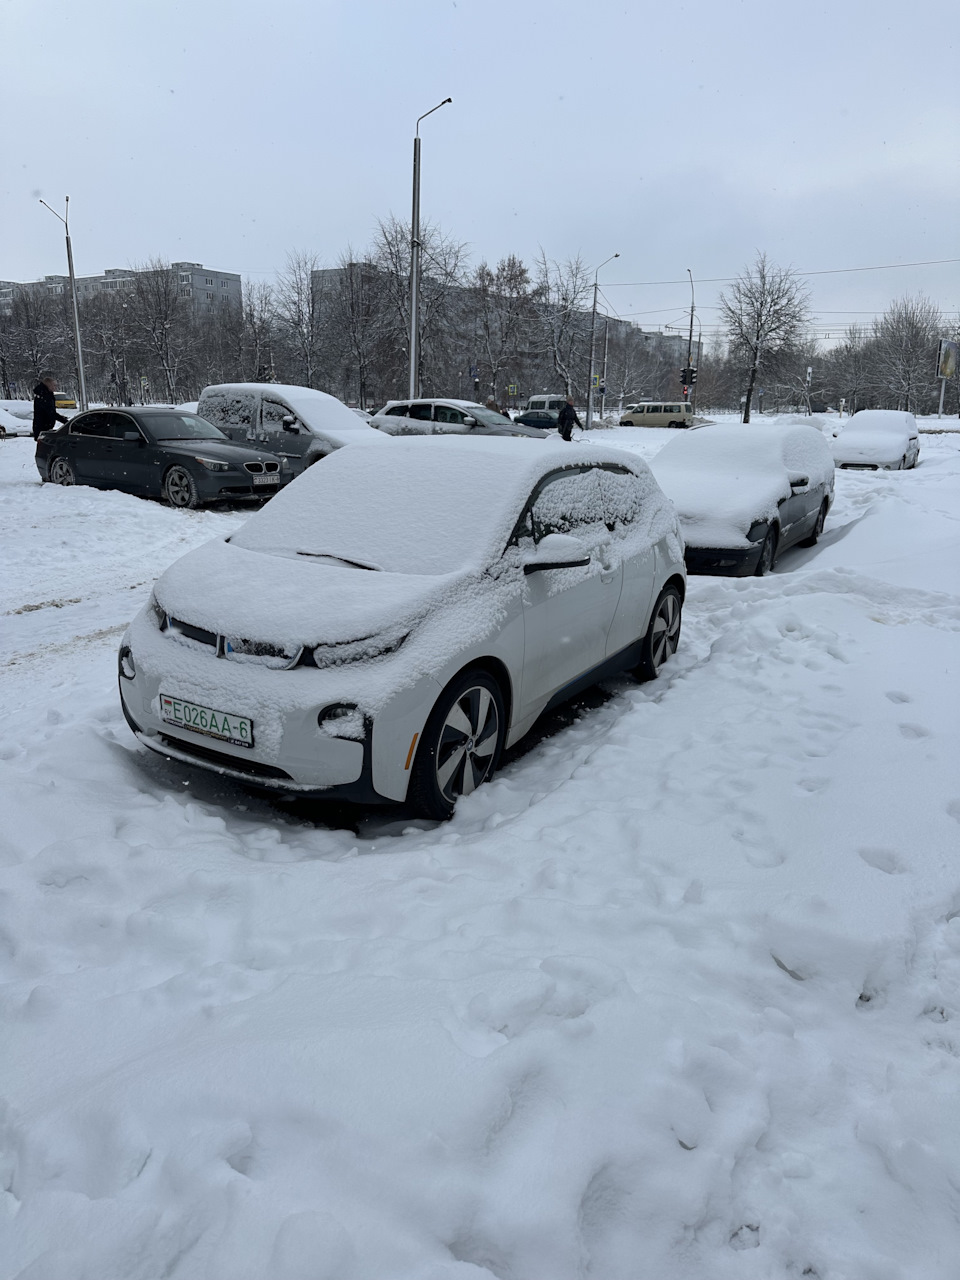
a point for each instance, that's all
(622, 495)
(287, 439)
(84, 445)
(126, 464)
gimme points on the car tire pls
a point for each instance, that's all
(768, 553)
(180, 488)
(813, 538)
(61, 472)
(663, 634)
(460, 745)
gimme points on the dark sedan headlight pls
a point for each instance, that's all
(212, 464)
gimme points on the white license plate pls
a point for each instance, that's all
(272, 478)
(237, 730)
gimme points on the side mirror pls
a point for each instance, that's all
(133, 437)
(469, 422)
(557, 551)
(290, 424)
(799, 482)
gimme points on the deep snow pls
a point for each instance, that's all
(675, 997)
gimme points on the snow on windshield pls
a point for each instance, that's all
(408, 509)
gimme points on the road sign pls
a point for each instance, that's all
(596, 380)
(512, 389)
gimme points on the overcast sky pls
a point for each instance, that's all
(689, 134)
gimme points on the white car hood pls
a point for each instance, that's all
(283, 598)
(881, 447)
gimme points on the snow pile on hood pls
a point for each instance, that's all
(722, 479)
(875, 435)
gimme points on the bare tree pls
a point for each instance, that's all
(157, 313)
(356, 311)
(299, 309)
(560, 300)
(766, 311)
(501, 300)
(904, 350)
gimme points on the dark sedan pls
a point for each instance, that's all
(157, 452)
(545, 418)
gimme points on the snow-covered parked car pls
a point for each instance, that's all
(744, 493)
(296, 423)
(878, 439)
(393, 620)
(448, 417)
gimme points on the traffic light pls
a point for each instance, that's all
(685, 377)
(693, 376)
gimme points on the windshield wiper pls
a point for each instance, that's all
(354, 564)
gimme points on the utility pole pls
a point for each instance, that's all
(689, 366)
(603, 376)
(73, 293)
(593, 344)
(415, 259)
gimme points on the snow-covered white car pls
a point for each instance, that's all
(297, 423)
(392, 620)
(878, 439)
(744, 493)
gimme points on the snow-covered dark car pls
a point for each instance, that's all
(157, 452)
(546, 419)
(878, 440)
(744, 493)
(383, 628)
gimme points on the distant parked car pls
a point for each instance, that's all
(744, 493)
(446, 417)
(392, 621)
(64, 400)
(157, 452)
(546, 419)
(295, 423)
(555, 402)
(656, 413)
(878, 439)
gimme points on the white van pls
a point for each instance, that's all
(297, 423)
(546, 402)
(658, 413)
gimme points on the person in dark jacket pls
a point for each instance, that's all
(568, 419)
(45, 415)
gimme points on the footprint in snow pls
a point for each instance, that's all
(883, 860)
(913, 731)
(896, 696)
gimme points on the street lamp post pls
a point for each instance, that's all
(415, 259)
(693, 304)
(73, 292)
(593, 342)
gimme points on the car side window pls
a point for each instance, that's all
(274, 414)
(622, 496)
(397, 411)
(421, 412)
(116, 425)
(567, 502)
(91, 424)
(230, 410)
(444, 413)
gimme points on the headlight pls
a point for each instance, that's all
(212, 464)
(365, 650)
(158, 612)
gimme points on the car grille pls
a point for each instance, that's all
(257, 468)
(239, 765)
(234, 647)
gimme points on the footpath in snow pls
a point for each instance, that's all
(675, 997)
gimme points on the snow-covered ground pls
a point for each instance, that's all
(675, 997)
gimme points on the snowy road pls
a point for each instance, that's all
(675, 997)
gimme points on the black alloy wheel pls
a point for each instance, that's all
(814, 535)
(663, 634)
(768, 553)
(460, 746)
(180, 488)
(61, 472)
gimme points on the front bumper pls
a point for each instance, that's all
(730, 562)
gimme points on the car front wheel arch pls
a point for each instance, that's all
(180, 488)
(461, 743)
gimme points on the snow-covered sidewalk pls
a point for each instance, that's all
(675, 997)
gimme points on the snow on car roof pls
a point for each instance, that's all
(723, 478)
(432, 504)
(896, 421)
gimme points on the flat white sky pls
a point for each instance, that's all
(682, 135)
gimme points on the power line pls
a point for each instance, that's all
(831, 271)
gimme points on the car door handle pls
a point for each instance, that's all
(607, 575)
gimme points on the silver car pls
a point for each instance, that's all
(394, 619)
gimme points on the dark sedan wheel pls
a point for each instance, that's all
(460, 746)
(180, 488)
(61, 472)
(663, 634)
(768, 554)
(813, 537)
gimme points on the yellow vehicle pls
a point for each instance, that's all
(657, 414)
(64, 400)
